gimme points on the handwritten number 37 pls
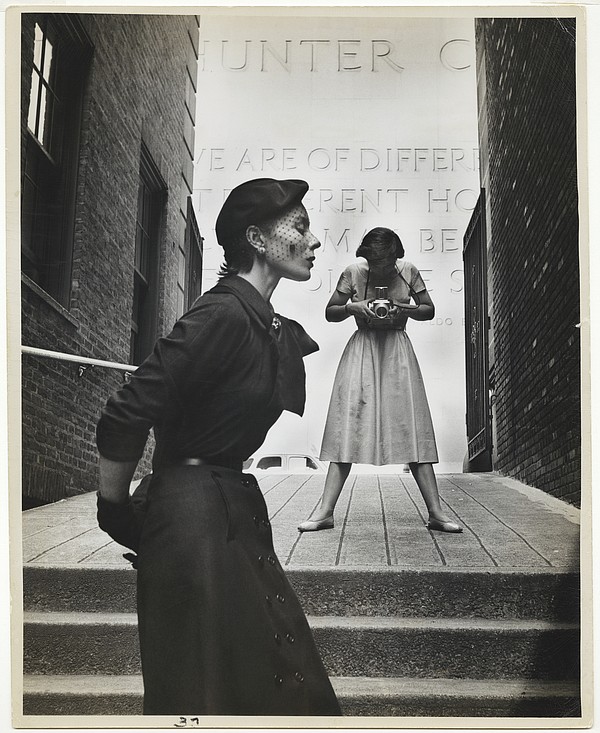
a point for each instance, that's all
(187, 722)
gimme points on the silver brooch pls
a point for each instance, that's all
(275, 323)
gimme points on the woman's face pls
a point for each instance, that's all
(290, 245)
(382, 266)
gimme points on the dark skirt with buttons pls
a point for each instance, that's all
(221, 630)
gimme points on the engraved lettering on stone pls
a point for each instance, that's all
(268, 155)
(319, 159)
(444, 200)
(421, 154)
(369, 159)
(224, 54)
(466, 200)
(288, 158)
(457, 277)
(453, 55)
(347, 54)
(427, 240)
(216, 159)
(325, 196)
(449, 243)
(396, 192)
(313, 45)
(201, 197)
(382, 50)
(366, 199)
(440, 162)
(348, 202)
(343, 239)
(245, 160)
(341, 155)
(202, 55)
(266, 47)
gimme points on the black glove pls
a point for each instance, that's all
(119, 522)
(132, 558)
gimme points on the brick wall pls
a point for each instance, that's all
(530, 177)
(135, 91)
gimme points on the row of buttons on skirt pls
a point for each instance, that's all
(271, 560)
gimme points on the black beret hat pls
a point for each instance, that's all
(256, 201)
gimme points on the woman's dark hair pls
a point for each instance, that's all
(380, 242)
(239, 253)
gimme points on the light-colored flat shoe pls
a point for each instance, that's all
(314, 525)
(444, 526)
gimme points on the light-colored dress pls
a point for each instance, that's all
(378, 413)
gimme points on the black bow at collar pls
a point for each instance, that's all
(289, 341)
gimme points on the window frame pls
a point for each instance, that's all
(50, 162)
(152, 194)
(195, 256)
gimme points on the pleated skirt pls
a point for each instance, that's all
(221, 630)
(378, 412)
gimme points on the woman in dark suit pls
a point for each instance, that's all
(221, 631)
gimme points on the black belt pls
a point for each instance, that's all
(223, 461)
(381, 327)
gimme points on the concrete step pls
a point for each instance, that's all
(548, 594)
(453, 648)
(99, 643)
(359, 696)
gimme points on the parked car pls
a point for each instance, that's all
(283, 463)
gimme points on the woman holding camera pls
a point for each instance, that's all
(378, 413)
(221, 630)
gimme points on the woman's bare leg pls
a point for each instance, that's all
(334, 482)
(425, 478)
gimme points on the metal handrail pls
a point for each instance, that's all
(81, 360)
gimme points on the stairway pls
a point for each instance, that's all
(397, 642)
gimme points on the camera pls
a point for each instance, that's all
(382, 305)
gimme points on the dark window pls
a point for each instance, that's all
(44, 98)
(59, 62)
(301, 464)
(194, 249)
(269, 462)
(151, 199)
(189, 262)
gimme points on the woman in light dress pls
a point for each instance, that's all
(378, 413)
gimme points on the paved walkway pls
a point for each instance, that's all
(380, 522)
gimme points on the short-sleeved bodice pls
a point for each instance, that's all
(359, 284)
